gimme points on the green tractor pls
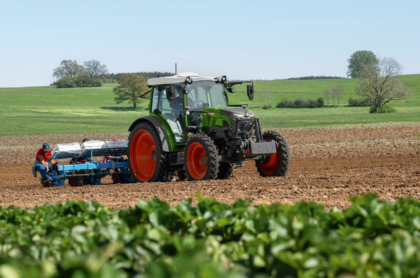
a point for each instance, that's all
(192, 129)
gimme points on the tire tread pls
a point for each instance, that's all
(161, 172)
(284, 154)
(212, 154)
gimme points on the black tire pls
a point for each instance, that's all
(211, 157)
(225, 170)
(281, 169)
(160, 173)
(77, 181)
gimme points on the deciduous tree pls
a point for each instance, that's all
(328, 94)
(266, 96)
(380, 83)
(68, 68)
(131, 87)
(338, 92)
(358, 61)
(93, 69)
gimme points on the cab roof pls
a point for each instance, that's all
(178, 78)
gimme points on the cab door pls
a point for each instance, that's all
(171, 113)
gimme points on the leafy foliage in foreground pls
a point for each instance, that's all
(373, 238)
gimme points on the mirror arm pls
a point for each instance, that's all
(231, 84)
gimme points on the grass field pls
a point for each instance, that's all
(48, 110)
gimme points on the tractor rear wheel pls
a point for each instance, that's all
(276, 164)
(145, 155)
(225, 170)
(201, 158)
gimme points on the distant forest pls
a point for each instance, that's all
(114, 77)
(313, 77)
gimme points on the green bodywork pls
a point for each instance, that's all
(211, 116)
(213, 120)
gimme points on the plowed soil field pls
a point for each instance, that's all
(327, 166)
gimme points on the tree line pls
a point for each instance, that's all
(378, 82)
(92, 74)
(312, 78)
(70, 74)
(115, 77)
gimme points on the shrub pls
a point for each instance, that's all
(312, 103)
(66, 82)
(266, 106)
(359, 102)
(286, 103)
(320, 102)
(97, 84)
(301, 102)
(81, 81)
(382, 109)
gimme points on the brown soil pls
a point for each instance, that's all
(328, 165)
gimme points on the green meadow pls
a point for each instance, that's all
(48, 110)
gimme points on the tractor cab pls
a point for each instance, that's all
(182, 104)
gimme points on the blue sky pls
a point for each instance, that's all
(240, 39)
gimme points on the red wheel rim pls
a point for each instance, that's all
(272, 163)
(143, 155)
(197, 161)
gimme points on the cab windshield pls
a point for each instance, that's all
(204, 94)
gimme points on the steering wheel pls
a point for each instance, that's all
(193, 117)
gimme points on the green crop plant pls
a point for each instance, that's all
(372, 238)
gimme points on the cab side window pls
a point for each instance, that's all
(170, 111)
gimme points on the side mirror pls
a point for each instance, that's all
(250, 91)
(170, 94)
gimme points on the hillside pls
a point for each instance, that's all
(47, 110)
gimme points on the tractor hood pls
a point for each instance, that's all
(233, 113)
(236, 113)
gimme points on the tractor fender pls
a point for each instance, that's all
(159, 128)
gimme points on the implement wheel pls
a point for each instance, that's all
(276, 164)
(201, 158)
(77, 181)
(145, 155)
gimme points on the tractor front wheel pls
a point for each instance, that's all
(201, 158)
(145, 155)
(275, 164)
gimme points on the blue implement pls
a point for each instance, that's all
(82, 169)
